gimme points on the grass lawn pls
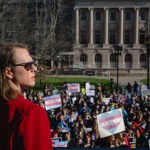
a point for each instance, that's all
(59, 81)
(144, 81)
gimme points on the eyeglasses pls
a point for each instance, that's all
(27, 65)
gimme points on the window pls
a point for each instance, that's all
(143, 58)
(112, 58)
(142, 15)
(112, 37)
(142, 37)
(98, 16)
(98, 58)
(83, 58)
(83, 16)
(83, 39)
(128, 16)
(97, 37)
(128, 58)
(127, 38)
(112, 16)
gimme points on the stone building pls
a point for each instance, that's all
(101, 24)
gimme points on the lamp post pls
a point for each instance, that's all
(147, 42)
(118, 50)
(41, 70)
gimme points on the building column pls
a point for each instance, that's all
(121, 29)
(136, 32)
(106, 28)
(91, 27)
(77, 26)
(148, 23)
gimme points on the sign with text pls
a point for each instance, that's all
(110, 123)
(54, 140)
(90, 91)
(53, 101)
(60, 144)
(73, 87)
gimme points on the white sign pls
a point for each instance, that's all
(52, 102)
(106, 100)
(74, 99)
(54, 140)
(110, 123)
(55, 91)
(144, 91)
(89, 91)
(60, 144)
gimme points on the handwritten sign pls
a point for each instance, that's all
(110, 123)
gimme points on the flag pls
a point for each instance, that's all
(137, 128)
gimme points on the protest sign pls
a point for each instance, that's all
(54, 140)
(60, 144)
(55, 91)
(74, 99)
(144, 91)
(106, 100)
(53, 101)
(73, 87)
(90, 91)
(132, 142)
(40, 94)
(110, 123)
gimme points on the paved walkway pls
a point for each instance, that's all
(125, 80)
(121, 80)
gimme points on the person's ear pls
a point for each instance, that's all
(8, 73)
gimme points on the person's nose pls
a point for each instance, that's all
(33, 67)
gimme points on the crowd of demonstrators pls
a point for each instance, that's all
(76, 121)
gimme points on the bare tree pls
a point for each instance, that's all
(39, 23)
(13, 20)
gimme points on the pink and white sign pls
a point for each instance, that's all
(73, 87)
(52, 102)
(110, 123)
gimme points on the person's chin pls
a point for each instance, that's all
(30, 85)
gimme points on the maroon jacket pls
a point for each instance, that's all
(23, 126)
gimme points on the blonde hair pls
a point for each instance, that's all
(7, 92)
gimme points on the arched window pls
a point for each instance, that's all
(142, 58)
(98, 58)
(83, 58)
(128, 58)
(112, 58)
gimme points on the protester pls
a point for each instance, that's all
(24, 125)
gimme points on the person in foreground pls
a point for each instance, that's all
(23, 125)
